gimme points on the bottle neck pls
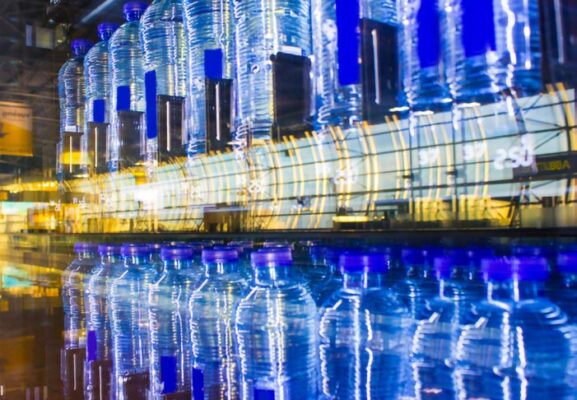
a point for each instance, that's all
(109, 259)
(363, 280)
(276, 274)
(85, 255)
(420, 271)
(220, 268)
(136, 261)
(514, 290)
(176, 264)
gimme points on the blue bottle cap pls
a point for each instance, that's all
(359, 262)
(176, 252)
(135, 249)
(273, 244)
(80, 47)
(413, 255)
(567, 262)
(480, 252)
(530, 250)
(109, 249)
(133, 10)
(530, 268)
(524, 268)
(496, 268)
(106, 29)
(220, 255)
(155, 248)
(444, 265)
(430, 252)
(270, 257)
(85, 247)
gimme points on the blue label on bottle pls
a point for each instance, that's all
(428, 34)
(348, 41)
(478, 24)
(150, 97)
(214, 63)
(91, 346)
(168, 373)
(197, 384)
(263, 394)
(99, 111)
(123, 98)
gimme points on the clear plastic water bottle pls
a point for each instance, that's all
(170, 350)
(97, 76)
(336, 31)
(127, 84)
(264, 29)
(519, 346)
(322, 273)
(74, 279)
(414, 290)
(210, 40)
(97, 110)
(423, 71)
(363, 333)
(155, 259)
(419, 283)
(277, 332)
(213, 309)
(99, 335)
(566, 295)
(491, 46)
(130, 323)
(435, 339)
(165, 56)
(72, 90)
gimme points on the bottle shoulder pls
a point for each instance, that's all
(228, 283)
(73, 66)
(126, 35)
(375, 302)
(162, 11)
(285, 298)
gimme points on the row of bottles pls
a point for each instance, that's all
(177, 321)
(184, 77)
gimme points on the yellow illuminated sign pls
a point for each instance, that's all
(15, 129)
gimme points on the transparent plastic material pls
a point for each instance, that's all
(423, 49)
(363, 337)
(98, 367)
(170, 352)
(264, 29)
(339, 93)
(520, 344)
(163, 40)
(127, 85)
(213, 310)
(97, 112)
(277, 330)
(210, 41)
(435, 339)
(322, 274)
(74, 279)
(130, 325)
(97, 75)
(72, 90)
(491, 47)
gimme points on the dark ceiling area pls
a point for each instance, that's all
(34, 43)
